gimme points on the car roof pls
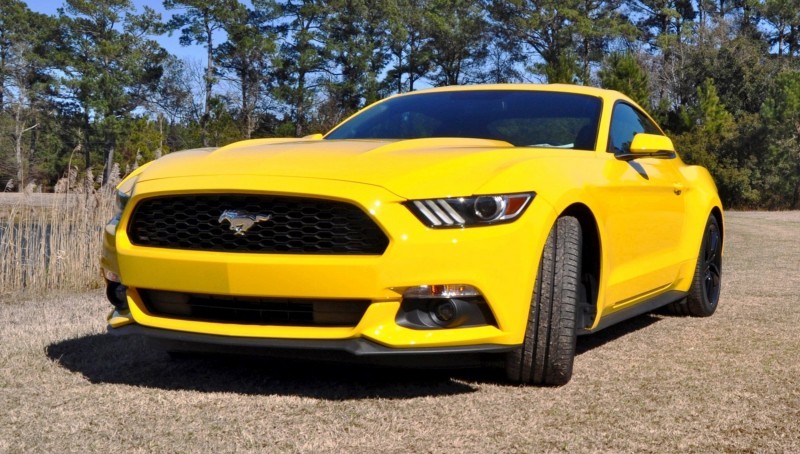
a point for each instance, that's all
(557, 88)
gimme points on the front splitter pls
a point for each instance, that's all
(358, 349)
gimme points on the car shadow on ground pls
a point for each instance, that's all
(614, 332)
(585, 344)
(103, 358)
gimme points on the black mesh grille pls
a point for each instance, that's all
(256, 311)
(295, 225)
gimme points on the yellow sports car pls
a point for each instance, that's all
(446, 224)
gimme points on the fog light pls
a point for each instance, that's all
(445, 311)
(443, 306)
(111, 276)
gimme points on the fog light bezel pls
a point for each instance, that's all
(420, 313)
(117, 295)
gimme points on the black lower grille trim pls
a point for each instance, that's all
(254, 310)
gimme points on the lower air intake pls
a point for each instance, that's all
(254, 311)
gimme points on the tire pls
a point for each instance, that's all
(548, 350)
(703, 296)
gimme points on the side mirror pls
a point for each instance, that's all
(649, 146)
(313, 137)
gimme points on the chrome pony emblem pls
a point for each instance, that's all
(242, 221)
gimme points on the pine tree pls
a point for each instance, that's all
(110, 68)
(622, 72)
(199, 22)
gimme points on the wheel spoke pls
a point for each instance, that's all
(711, 280)
(713, 269)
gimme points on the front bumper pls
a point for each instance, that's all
(498, 260)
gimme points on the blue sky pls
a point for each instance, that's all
(170, 43)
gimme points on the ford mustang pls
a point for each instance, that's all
(496, 221)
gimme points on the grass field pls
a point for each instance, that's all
(729, 383)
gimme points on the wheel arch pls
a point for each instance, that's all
(717, 213)
(591, 258)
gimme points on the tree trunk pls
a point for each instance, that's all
(19, 131)
(299, 104)
(160, 149)
(247, 116)
(209, 80)
(411, 67)
(108, 164)
(87, 156)
(3, 51)
(19, 126)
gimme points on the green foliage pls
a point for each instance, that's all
(712, 118)
(781, 116)
(459, 41)
(107, 69)
(711, 142)
(90, 88)
(784, 21)
(302, 55)
(139, 142)
(356, 43)
(622, 72)
(567, 36)
(199, 22)
(407, 43)
(247, 56)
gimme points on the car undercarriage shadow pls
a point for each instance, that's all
(614, 332)
(103, 358)
(585, 344)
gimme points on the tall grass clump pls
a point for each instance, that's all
(52, 241)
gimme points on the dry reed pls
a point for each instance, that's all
(51, 241)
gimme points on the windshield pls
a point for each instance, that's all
(522, 118)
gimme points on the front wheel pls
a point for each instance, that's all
(548, 350)
(707, 282)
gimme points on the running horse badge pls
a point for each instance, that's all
(242, 221)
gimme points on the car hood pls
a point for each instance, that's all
(416, 168)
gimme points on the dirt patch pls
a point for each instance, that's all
(653, 384)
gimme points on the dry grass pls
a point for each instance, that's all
(51, 241)
(729, 383)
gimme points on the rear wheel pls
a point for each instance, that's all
(548, 350)
(706, 285)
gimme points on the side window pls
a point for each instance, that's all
(626, 122)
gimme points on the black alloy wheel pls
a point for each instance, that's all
(703, 296)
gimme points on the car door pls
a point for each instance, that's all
(644, 206)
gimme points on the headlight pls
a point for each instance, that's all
(470, 211)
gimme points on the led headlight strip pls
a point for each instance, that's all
(470, 211)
